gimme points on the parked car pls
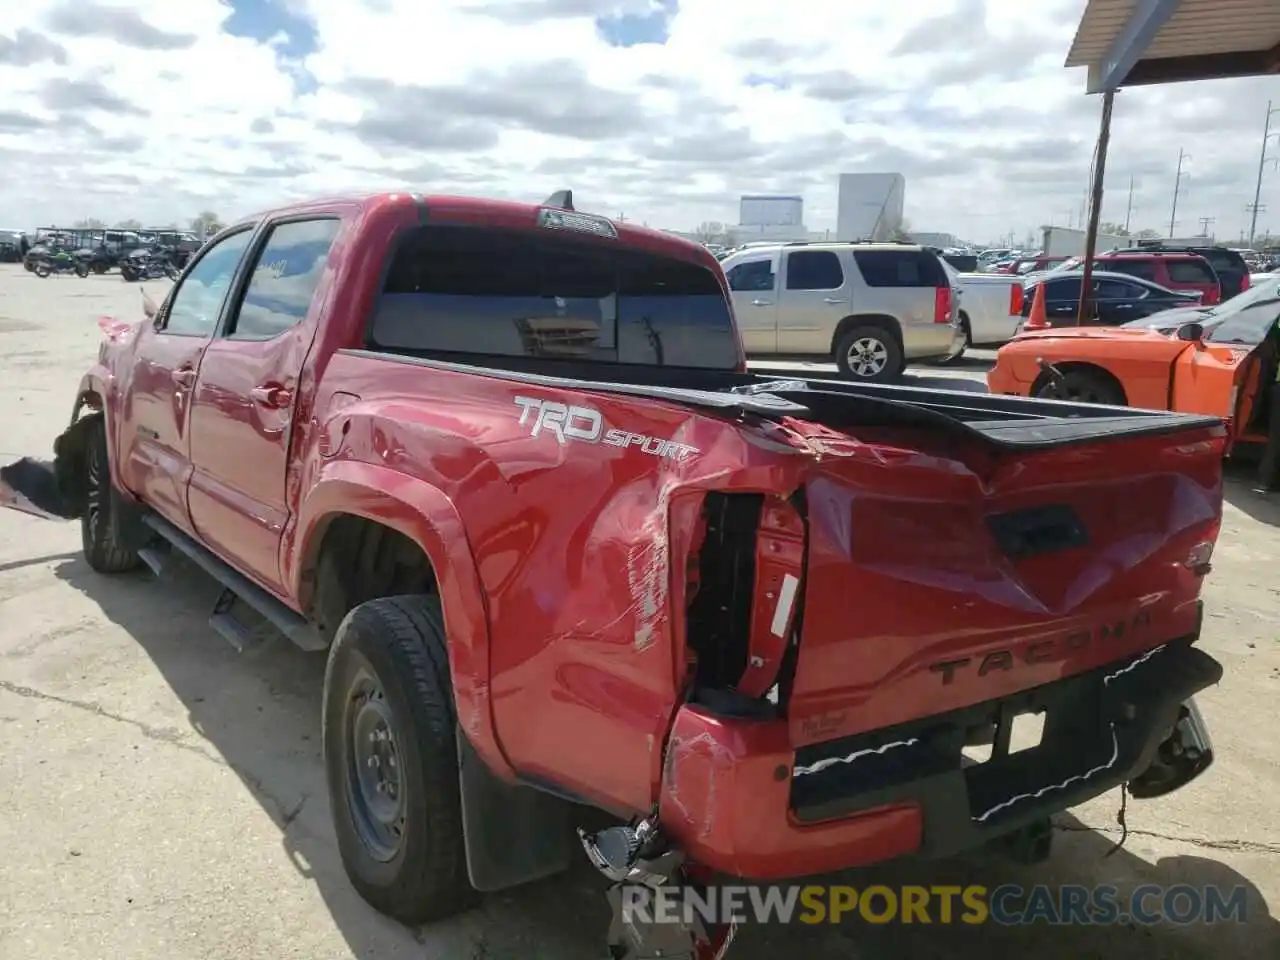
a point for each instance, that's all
(871, 306)
(1219, 360)
(991, 307)
(1026, 265)
(1116, 298)
(504, 466)
(1173, 271)
(1228, 264)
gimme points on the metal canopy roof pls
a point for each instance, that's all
(1129, 43)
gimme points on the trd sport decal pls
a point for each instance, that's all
(586, 425)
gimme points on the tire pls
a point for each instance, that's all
(99, 527)
(42, 270)
(388, 677)
(82, 270)
(128, 275)
(877, 354)
(99, 267)
(968, 342)
(1082, 386)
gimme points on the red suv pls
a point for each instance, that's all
(1173, 271)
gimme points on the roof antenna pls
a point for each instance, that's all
(561, 199)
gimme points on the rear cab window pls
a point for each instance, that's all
(462, 290)
(900, 268)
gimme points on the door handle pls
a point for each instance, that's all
(832, 300)
(762, 303)
(184, 376)
(272, 396)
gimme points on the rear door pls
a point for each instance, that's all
(153, 439)
(1116, 302)
(753, 284)
(1062, 299)
(1194, 273)
(246, 398)
(815, 298)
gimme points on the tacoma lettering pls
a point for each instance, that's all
(1040, 651)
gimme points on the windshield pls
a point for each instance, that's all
(1248, 323)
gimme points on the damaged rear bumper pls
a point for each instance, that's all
(740, 800)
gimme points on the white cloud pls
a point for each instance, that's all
(968, 99)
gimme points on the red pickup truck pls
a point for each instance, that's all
(506, 464)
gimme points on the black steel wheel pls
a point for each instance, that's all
(391, 760)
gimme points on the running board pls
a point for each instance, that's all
(292, 624)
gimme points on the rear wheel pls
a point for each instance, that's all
(42, 270)
(870, 353)
(391, 760)
(82, 270)
(104, 549)
(1082, 386)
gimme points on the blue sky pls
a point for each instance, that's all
(263, 19)
(629, 30)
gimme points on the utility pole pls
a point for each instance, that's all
(1177, 185)
(1262, 163)
(1095, 207)
(1129, 210)
(1205, 222)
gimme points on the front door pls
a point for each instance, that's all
(815, 298)
(153, 439)
(753, 284)
(246, 396)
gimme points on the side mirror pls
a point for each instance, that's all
(1191, 332)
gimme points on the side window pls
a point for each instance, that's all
(284, 279)
(900, 268)
(1142, 269)
(1068, 288)
(754, 276)
(814, 270)
(196, 302)
(1190, 271)
(1116, 290)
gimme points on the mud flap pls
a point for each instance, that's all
(513, 834)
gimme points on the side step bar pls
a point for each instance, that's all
(238, 587)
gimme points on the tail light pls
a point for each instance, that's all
(1244, 282)
(1017, 297)
(942, 300)
(745, 584)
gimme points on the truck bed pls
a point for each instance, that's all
(1015, 423)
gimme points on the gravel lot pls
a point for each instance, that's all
(162, 798)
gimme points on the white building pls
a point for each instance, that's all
(935, 239)
(869, 206)
(770, 217)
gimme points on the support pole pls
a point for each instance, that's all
(1095, 206)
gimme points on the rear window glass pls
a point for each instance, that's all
(900, 268)
(1224, 260)
(491, 292)
(1190, 271)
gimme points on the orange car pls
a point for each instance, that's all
(1220, 360)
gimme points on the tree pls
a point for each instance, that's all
(206, 225)
(1148, 234)
(1112, 229)
(128, 225)
(712, 231)
(90, 223)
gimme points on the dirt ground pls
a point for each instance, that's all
(162, 798)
